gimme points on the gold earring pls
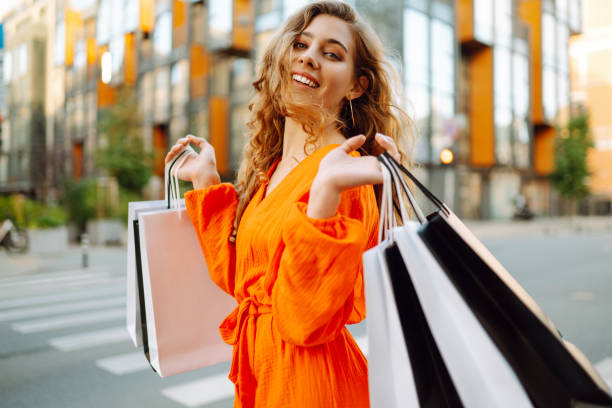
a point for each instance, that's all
(352, 117)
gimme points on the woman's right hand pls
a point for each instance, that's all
(198, 168)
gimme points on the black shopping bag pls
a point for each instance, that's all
(554, 372)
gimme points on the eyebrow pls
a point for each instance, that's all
(328, 40)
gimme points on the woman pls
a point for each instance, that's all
(287, 240)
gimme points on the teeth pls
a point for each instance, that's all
(305, 80)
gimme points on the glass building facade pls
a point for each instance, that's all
(485, 79)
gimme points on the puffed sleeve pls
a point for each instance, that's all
(212, 211)
(319, 285)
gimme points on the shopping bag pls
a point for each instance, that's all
(135, 318)
(438, 355)
(181, 308)
(553, 372)
(133, 289)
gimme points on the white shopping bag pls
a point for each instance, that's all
(183, 306)
(133, 309)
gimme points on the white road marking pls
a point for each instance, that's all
(42, 279)
(125, 363)
(604, 367)
(90, 339)
(47, 310)
(51, 286)
(200, 392)
(61, 297)
(60, 322)
(57, 274)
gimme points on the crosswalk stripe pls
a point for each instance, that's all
(200, 392)
(47, 310)
(605, 370)
(32, 290)
(90, 339)
(124, 363)
(55, 280)
(60, 322)
(55, 274)
(60, 297)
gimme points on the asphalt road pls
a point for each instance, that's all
(62, 342)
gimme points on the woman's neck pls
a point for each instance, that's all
(294, 138)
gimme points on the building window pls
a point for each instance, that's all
(220, 14)
(7, 67)
(483, 28)
(162, 35)
(60, 43)
(104, 30)
(22, 60)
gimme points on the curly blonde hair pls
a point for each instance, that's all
(376, 110)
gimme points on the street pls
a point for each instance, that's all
(64, 342)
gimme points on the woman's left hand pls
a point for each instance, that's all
(339, 171)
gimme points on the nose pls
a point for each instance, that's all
(308, 58)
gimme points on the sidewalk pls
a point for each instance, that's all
(541, 226)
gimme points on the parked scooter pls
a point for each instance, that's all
(14, 239)
(522, 210)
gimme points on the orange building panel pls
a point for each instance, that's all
(219, 131)
(179, 23)
(530, 12)
(130, 60)
(147, 15)
(73, 22)
(482, 130)
(465, 20)
(199, 69)
(242, 34)
(544, 150)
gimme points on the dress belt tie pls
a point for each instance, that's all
(231, 330)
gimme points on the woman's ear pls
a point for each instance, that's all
(359, 87)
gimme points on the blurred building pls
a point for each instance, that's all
(591, 70)
(486, 80)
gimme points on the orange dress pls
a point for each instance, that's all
(298, 281)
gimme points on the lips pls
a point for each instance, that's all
(305, 79)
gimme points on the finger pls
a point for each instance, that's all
(389, 144)
(198, 141)
(353, 143)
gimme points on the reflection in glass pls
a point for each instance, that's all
(416, 44)
(442, 56)
(220, 23)
(162, 77)
(501, 73)
(104, 22)
(419, 109)
(503, 22)
(521, 85)
(60, 43)
(548, 39)
(483, 12)
(503, 121)
(549, 92)
(520, 128)
(117, 48)
(162, 34)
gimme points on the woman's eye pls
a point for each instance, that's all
(333, 55)
(299, 44)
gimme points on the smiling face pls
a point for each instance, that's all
(322, 62)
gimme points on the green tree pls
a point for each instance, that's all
(122, 152)
(571, 172)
